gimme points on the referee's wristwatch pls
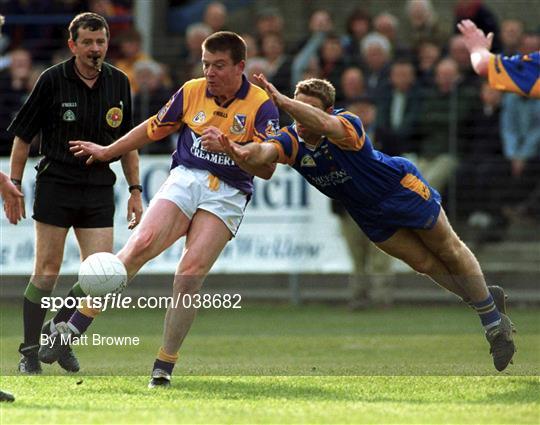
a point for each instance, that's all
(135, 187)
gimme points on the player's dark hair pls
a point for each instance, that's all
(87, 20)
(223, 41)
(321, 89)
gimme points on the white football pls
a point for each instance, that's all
(102, 273)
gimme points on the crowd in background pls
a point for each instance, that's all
(417, 95)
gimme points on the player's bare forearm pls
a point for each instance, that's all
(480, 61)
(260, 159)
(314, 119)
(19, 156)
(130, 167)
(131, 141)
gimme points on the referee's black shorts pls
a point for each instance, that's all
(70, 205)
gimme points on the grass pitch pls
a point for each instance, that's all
(279, 364)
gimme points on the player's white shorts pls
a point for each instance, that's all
(191, 189)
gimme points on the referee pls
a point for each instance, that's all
(83, 98)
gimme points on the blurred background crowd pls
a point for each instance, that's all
(403, 69)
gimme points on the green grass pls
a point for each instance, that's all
(279, 364)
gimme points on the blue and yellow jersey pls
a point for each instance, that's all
(519, 74)
(349, 170)
(249, 117)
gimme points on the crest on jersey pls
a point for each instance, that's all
(272, 127)
(307, 161)
(69, 116)
(114, 117)
(162, 113)
(199, 118)
(239, 124)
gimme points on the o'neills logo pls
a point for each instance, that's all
(114, 117)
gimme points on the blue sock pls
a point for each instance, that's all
(489, 315)
(166, 366)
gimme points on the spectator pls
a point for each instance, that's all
(152, 95)
(459, 52)
(358, 26)
(387, 25)
(398, 111)
(352, 85)
(482, 16)
(15, 85)
(428, 56)
(520, 130)
(366, 108)
(320, 22)
(445, 107)
(268, 21)
(333, 61)
(279, 63)
(371, 281)
(530, 42)
(131, 53)
(423, 24)
(377, 55)
(40, 39)
(256, 66)
(215, 16)
(481, 173)
(192, 52)
(511, 33)
(118, 17)
(320, 25)
(252, 46)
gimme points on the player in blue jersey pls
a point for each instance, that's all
(206, 193)
(386, 196)
(518, 74)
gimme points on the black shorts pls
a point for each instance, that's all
(67, 205)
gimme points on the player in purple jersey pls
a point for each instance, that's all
(205, 195)
(386, 196)
(519, 73)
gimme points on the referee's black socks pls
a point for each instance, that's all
(33, 314)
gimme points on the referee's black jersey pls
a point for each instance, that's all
(64, 108)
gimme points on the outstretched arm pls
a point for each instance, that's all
(258, 159)
(133, 140)
(13, 207)
(313, 119)
(478, 44)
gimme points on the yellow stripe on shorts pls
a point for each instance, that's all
(411, 182)
(213, 183)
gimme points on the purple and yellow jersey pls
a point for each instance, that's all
(249, 117)
(519, 74)
(349, 170)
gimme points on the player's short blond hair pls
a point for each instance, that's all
(316, 87)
